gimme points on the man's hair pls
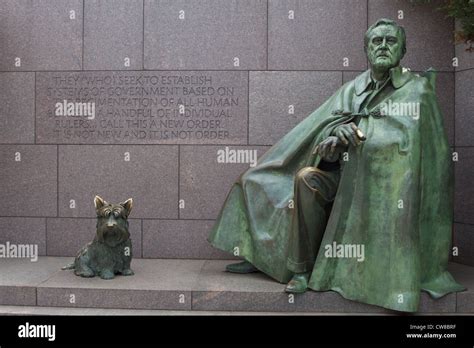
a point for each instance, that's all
(385, 21)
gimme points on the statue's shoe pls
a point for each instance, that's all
(298, 284)
(241, 267)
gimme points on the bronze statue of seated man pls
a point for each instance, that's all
(357, 198)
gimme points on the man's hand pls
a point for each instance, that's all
(349, 133)
(327, 149)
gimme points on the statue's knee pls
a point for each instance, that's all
(303, 172)
(313, 179)
(311, 176)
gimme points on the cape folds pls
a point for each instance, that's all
(394, 197)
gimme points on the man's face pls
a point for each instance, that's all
(384, 49)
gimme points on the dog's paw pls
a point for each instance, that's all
(85, 274)
(128, 272)
(107, 275)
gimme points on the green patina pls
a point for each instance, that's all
(394, 196)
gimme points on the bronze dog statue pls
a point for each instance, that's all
(110, 252)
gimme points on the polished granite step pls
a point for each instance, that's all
(189, 285)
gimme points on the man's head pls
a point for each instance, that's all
(384, 44)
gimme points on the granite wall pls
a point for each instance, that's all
(176, 83)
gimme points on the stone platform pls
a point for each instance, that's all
(181, 286)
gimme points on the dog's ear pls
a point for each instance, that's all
(127, 205)
(99, 202)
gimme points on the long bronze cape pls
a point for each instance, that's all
(395, 198)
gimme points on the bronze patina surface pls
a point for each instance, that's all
(110, 252)
(362, 174)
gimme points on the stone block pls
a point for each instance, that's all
(29, 180)
(17, 107)
(150, 177)
(464, 104)
(24, 230)
(207, 174)
(181, 35)
(43, 34)
(463, 240)
(179, 239)
(21, 276)
(464, 190)
(155, 285)
(113, 32)
(324, 35)
(465, 276)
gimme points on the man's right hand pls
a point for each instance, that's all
(349, 133)
(329, 149)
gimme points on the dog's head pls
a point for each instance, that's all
(112, 224)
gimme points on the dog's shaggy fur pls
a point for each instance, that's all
(110, 252)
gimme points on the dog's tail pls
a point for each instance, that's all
(69, 266)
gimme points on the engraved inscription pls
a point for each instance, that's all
(142, 107)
